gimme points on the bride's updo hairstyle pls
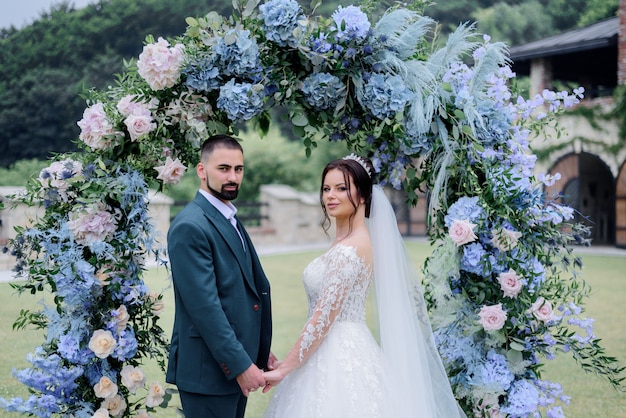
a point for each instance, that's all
(362, 173)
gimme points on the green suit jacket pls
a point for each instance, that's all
(223, 318)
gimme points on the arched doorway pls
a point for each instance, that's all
(587, 185)
(620, 208)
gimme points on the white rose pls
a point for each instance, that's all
(105, 388)
(102, 343)
(101, 413)
(462, 231)
(122, 317)
(133, 378)
(115, 405)
(171, 172)
(155, 396)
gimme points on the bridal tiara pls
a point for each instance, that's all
(359, 160)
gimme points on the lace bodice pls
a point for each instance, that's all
(336, 285)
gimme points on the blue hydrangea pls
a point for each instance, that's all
(322, 90)
(351, 23)
(384, 95)
(283, 22)
(493, 373)
(238, 53)
(203, 74)
(465, 208)
(475, 259)
(494, 127)
(523, 399)
(240, 101)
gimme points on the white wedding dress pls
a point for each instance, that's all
(343, 372)
(344, 376)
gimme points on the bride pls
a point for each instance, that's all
(336, 368)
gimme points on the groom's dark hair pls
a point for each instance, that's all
(218, 140)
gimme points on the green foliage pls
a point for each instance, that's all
(19, 172)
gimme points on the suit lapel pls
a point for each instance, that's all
(228, 232)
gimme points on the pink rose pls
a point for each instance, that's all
(59, 175)
(101, 413)
(139, 124)
(171, 172)
(492, 318)
(160, 65)
(157, 306)
(97, 131)
(505, 239)
(121, 317)
(542, 310)
(462, 231)
(510, 283)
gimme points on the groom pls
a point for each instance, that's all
(222, 325)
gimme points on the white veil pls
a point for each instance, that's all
(420, 384)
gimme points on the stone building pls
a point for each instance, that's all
(591, 156)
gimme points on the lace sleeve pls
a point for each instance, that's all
(346, 275)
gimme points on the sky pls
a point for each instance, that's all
(20, 13)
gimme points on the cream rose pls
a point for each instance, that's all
(462, 231)
(115, 405)
(102, 343)
(171, 172)
(492, 318)
(122, 317)
(133, 378)
(157, 305)
(155, 395)
(510, 283)
(505, 239)
(101, 413)
(542, 310)
(142, 413)
(105, 388)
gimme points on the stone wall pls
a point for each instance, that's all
(23, 215)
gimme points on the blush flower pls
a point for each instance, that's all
(171, 172)
(96, 130)
(462, 231)
(133, 378)
(492, 317)
(510, 283)
(159, 64)
(121, 317)
(505, 239)
(102, 343)
(105, 388)
(157, 306)
(542, 310)
(155, 396)
(139, 123)
(91, 223)
(59, 176)
(101, 413)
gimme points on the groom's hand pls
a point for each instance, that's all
(250, 380)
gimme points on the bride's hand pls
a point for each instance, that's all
(272, 378)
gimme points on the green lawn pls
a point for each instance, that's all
(591, 396)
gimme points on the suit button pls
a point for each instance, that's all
(256, 307)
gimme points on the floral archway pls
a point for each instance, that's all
(502, 285)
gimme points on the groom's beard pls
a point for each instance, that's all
(224, 194)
